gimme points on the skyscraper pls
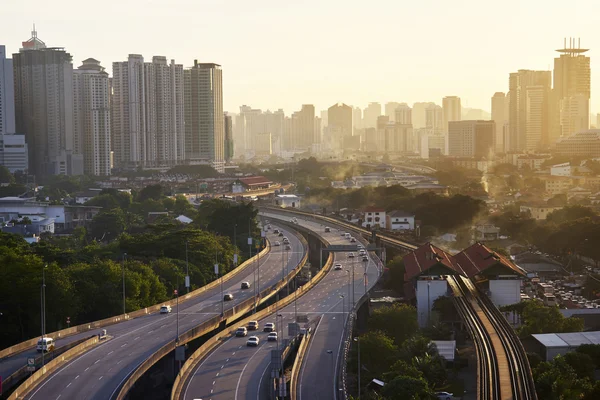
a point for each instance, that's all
(370, 115)
(91, 117)
(303, 128)
(44, 107)
(7, 94)
(357, 121)
(339, 117)
(390, 110)
(451, 111)
(434, 118)
(500, 117)
(204, 125)
(403, 114)
(528, 111)
(471, 138)
(572, 76)
(228, 132)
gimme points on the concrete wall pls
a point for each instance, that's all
(504, 292)
(427, 292)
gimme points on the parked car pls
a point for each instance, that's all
(252, 341)
(228, 297)
(269, 327)
(245, 285)
(165, 309)
(241, 331)
(272, 337)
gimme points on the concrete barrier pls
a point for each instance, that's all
(17, 348)
(297, 365)
(26, 387)
(229, 315)
(212, 343)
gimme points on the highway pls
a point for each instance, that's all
(235, 371)
(99, 373)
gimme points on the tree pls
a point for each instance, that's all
(407, 388)
(151, 192)
(582, 364)
(377, 351)
(556, 380)
(108, 224)
(538, 318)
(592, 350)
(396, 270)
(398, 321)
(417, 346)
(6, 176)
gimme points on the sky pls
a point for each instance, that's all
(282, 53)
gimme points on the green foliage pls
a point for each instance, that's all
(398, 321)
(108, 224)
(6, 176)
(557, 380)
(538, 318)
(592, 350)
(395, 279)
(151, 192)
(226, 218)
(570, 213)
(12, 190)
(407, 388)
(582, 364)
(377, 352)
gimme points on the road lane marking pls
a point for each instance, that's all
(217, 374)
(70, 383)
(100, 378)
(86, 369)
(214, 383)
(303, 366)
(136, 338)
(58, 396)
(97, 361)
(119, 362)
(123, 345)
(77, 377)
(110, 353)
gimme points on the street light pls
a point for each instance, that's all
(279, 351)
(330, 352)
(366, 262)
(357, 340)
(187, 268)
(43, 308)
(343, 308)
(123, 271)
(349, 280)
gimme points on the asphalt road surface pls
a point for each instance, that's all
(235, 371)
(100, 372)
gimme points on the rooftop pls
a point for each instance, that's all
(421, 260)
(573, 339)
(374, 209)
(400, 214)
(478, 258)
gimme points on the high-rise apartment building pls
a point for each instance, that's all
(370, 115)
(91, 117)
(204, 126)
(7, 94)
(357, 120)
(434, 118)
(451, 111)
(529, 112)
(572, 88)
(43, 79)
(471, 138)
(228, 133)
(419, 118)
(390, 110)
(339, 128)
(403, 114)
(303, 128)
(500, 118)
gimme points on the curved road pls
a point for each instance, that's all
(99, 373)
(235, 371)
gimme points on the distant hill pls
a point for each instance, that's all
(475, 113)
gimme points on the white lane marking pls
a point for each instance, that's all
(217, 374)
(233, 354)
(77, 377)
(100, 378)
(222, 366)
(136, 338)
(150, 332)
(260, 382)
(237, 388)
(214, 383)
(97, 361)
(303, 366)
(119, 362)
(70, 383)
(211, 391)
(110, 353)
(227, 360)
(123, 345)
(58, 396)
(86, 369)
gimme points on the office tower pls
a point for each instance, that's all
(403, 114)
(7, 94)
(264, 144)
(451, 111)
(91, 117)
(471, 138)
(529, 112)
(382, 136)
(357, 121)
(339, 117)
(370, 115)
(324, 117)
(228, 134)
(390, 110)
(572, 76)
(274, 122)
(500, 117)
(303, 128)
(43, 79)
(434, 118)
(419, 118)
(204, 126)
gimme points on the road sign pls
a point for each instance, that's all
(175, 292)
(30, 369)
(30, 361)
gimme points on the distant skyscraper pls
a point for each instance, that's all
(44, 107)
(451, 110)
(434, 118)
(471, 138)
(357, 121)
(528, 113)
(339, 117)
(419, 118)
(228, 133)
(403, 114)
(91, 117)
(303, 128)
(7, 94)
(572, 76)
(204, 125)
(370, 115)
(500, 117)
(390, 110)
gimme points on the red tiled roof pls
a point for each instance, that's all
(374, 209)
(420, 260)
(255, 180)
(477, 258)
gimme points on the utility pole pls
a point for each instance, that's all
(123, 271)
(43, 310)
(187, 268)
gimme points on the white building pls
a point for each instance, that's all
(374, 217)
(400, 221)
(91, 117)
(13, 152)
(563, 169)
(204, 122)
(554, 344)
(287, 200)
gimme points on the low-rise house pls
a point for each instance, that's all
(539, 211)
(485, 232)
(374, 217)
(578, 193)
(87, 195)
(400, 221)
(287, 200)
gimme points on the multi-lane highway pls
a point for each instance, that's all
(99, 373)
(235, 371)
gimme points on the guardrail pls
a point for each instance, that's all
(208, 326)
(298, 364)
(17, 348)
(26, 387)
(212, 343)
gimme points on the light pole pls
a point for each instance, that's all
(176, 293)
(357, 340)
(43, 309)
(187, 268)
(365, 275)
(330, 352)
(428, 305)
(280, 354)
(353, 282)
(123, 272)
(295, 298)
(348, 272)
(343, 309)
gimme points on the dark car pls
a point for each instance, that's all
(228, 297)
(245, 285)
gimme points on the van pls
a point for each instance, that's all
(45, 344)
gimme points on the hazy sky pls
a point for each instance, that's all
(283, 53)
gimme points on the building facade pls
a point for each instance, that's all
(500, 118)
(471, 138)
(7, 94)
(451, 110)
(228, 132)
(585, 144)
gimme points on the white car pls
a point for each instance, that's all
(444, 395)
(277, 243)
(241, 331)
(272, 337)
(269, 327)
(252, 341)
(350, 255)
(165, 309)
(337, 267)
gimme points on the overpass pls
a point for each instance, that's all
(100, 372)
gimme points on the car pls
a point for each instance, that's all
(277, 243)
(288, 247)
(45, 345)
(245, 285)
(343, 234)
(228, 297)
(444, 395)
(280, 234)
(286, 240)
(241, 331)
(353, 240)
(276, 231)
(269, 227)
(337, 267)
(253, 325)
(350, 255)
(272, 337)
(365, 258)
(253, 341)
(165, 309)
(362, 252)
(360, 246)
(269, 327)
(327, 229)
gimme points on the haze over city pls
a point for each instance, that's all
(283, 54)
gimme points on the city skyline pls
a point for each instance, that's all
(475, 65)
